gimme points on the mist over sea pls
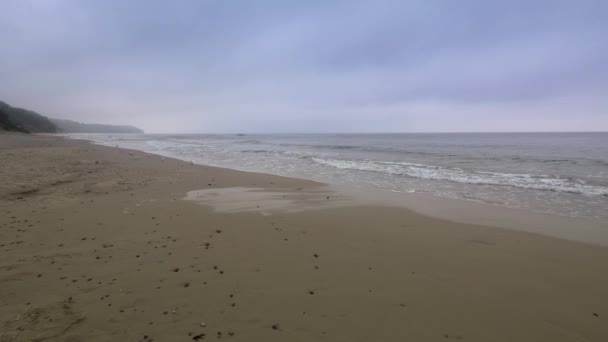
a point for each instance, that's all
(559, 173)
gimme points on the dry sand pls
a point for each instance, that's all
(99, 244)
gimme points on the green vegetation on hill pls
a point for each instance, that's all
(23, 120)
(8, 125)
(26, 121)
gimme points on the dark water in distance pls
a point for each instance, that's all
(562, 173)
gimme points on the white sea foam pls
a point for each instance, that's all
(458, 175)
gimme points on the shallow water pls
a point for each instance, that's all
(267, 202)
(559, 173)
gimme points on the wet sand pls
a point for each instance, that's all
(106, 244)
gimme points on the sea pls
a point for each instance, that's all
(557, 173)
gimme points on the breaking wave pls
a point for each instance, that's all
(421, 171)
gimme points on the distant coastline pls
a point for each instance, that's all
(26, 121)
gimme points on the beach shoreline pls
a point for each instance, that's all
(99, 244)
(532, 175)
(460, 210)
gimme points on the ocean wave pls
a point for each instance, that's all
(288, 154)
(457, 175)
(252, 142)
(255, 151)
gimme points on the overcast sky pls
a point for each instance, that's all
(310, 66)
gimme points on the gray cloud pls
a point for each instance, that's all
(282, 66)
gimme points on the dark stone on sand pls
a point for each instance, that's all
(198, 337)
(316, 255)
(275, 327)
(596, 314)
(176, 269)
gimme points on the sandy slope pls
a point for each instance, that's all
(97, 244)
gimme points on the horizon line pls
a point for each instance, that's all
(413, 132)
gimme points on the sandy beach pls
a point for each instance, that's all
(108, 244)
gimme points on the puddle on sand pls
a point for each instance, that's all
(266, 201)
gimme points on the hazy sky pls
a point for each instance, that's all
(310, 66)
